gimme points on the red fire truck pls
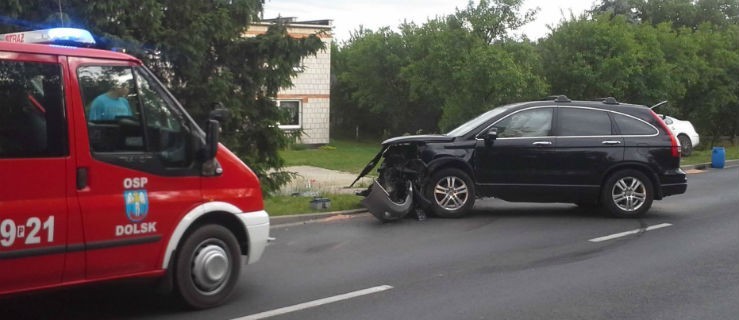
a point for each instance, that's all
(103, 175)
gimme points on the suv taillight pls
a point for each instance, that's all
(675, 147)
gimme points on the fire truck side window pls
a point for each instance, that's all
(112, 109)
(129, 112)
(32, 121)
(166, 127)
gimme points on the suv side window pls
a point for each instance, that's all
(32, 120)
(580, 122)
(128, 112)
(535, 122)
(633, 127)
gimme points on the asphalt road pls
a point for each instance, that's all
(504, 261)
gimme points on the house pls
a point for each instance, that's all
(308, 100)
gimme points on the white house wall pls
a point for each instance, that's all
(313, 88)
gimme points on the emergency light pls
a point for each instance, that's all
(62, 36)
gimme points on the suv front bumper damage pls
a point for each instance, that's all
(378, 203)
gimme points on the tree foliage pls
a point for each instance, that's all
(607, 56)
(197, 48)
(451, 68)
(646, 51)
(437, 75)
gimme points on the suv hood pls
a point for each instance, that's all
(425, 138)
(420, 139)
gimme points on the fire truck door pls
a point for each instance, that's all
(34, 172)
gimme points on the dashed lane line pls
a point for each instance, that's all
(316, 303)
(623, 234)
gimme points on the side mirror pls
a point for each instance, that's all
(219, 112)
(491, 135)
(211, 139)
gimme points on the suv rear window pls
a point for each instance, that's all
(630, 126)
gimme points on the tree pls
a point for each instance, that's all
(607, 56)
(435, 76)
(377, 96)
(698, 39)
(712, 100)
(201, 56)
(492, 20)
(678, 13)
(466, 75)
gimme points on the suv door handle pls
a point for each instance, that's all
(611, 142)
(542, 143)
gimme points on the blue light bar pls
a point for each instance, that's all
(71, 35)
(63, 36)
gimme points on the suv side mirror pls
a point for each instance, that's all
(211, 139)
(491, 135)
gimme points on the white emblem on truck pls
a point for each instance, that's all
(136, 200)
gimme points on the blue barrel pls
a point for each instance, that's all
(718, 158)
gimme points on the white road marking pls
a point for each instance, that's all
(315, 303)
(623, 234)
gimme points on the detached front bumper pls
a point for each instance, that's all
(379, 204)
(257, 233)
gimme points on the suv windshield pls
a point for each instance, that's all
(466, 127)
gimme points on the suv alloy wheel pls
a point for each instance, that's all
(627, 194)
(451, 193)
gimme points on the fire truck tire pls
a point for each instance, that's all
(207, 267)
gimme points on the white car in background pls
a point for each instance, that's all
(683, 131)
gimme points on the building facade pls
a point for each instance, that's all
(308, 100)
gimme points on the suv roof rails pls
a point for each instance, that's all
(557, 98)
(610, 100)
(562, 98)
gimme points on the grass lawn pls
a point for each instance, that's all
(286, 205)
(343, 155)
(704, 156)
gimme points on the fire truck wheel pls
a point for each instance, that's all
(207, 266)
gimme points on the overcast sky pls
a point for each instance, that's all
(349, 15)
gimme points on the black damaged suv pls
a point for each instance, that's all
(604, 154)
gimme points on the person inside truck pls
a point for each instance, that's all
(111, 104)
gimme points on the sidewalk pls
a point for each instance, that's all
(316, 181)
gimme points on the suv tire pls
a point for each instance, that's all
(627, 194)
(451, 193)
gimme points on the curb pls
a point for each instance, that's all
(303, 218)
(707, 165)
(307, 217)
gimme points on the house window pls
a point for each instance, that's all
(290, 112)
